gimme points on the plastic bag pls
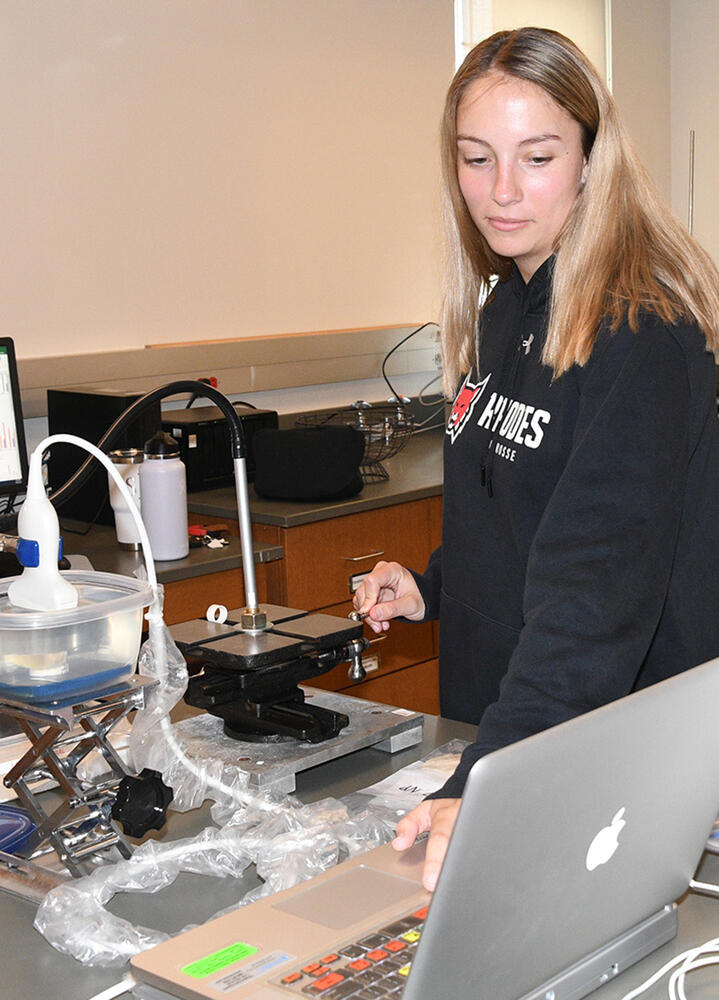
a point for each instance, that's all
(290, 845)
(160, 660)
(73, 917)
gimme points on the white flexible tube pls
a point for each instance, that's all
(121, 485)
(179, 852)
(154, 617)
(237, 795)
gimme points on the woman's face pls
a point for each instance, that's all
(520, 166)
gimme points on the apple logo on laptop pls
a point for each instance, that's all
(606, 842)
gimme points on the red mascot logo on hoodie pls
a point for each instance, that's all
(464, 404)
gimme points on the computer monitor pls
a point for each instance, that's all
(13, 454)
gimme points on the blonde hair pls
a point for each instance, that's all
(620, 250)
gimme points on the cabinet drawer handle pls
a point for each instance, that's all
(370, 555)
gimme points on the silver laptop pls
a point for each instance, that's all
(568, 853)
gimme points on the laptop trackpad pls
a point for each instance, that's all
(368, 889)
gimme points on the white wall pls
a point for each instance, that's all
(640, 47)
(695, 87)
(580, 20)
(641, 78)
(185, 170)
(666, 81)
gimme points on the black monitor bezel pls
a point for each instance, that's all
(11, 487)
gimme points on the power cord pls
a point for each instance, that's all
(198, 395)
(124, 986)
(84, 531)
(694, 958)
(705, 888)
(439, 425)
(10, 503)
(435, 405)
(420, 395)
(688, 961)
(389, 354)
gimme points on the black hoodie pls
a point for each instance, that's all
(580, 539)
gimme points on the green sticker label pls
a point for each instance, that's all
(219, 960)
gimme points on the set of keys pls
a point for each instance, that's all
(211, 536)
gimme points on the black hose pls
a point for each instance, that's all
(74, 483)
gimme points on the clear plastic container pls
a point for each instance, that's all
(58, 655)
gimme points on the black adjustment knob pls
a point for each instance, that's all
(141, 803)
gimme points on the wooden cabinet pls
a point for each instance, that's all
(191, 597)
(414, 687)
(324, 560)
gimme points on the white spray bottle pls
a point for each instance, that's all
(41, 587)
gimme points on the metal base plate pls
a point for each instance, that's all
(276, 764)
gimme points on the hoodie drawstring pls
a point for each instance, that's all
(506, 385)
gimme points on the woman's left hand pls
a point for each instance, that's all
(438, 816)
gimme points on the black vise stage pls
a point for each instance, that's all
(250, 678)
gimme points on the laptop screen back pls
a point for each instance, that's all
(570, 838)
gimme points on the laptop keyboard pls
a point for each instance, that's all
(375, 966)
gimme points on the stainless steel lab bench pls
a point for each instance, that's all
(31, 969)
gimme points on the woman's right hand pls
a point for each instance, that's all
(389, 591)
(437, 816)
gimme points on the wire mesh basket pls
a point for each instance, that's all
(386, 427)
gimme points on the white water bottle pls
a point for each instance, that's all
(163, 498)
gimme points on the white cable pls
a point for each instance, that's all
(432, 427)
(691, 959)
(648, 983)
(676, 983)
(688, 957)
(122, 487)
(124, 986)
(424, 388)
(708, 888)
(433, 414)
(659, 974)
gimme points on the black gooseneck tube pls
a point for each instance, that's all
(237, 443)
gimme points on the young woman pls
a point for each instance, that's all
(580, 545)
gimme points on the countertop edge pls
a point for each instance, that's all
(329, 510)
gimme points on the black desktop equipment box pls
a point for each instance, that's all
(204, 439)
(88, 411)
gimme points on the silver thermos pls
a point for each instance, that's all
(163, 483)
(127, 461)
